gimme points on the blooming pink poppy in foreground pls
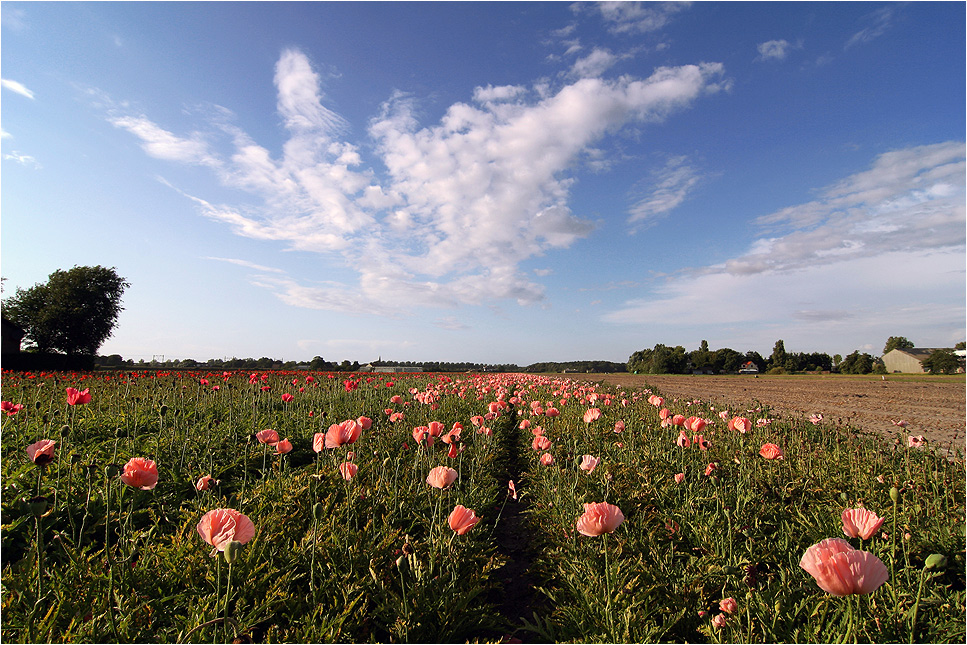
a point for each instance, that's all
(728, 605)
(915, 441)
(342, 433)
(348, 470)
(861, 523)
(771, 451)
(741, 424)
(268, 436)
(140, 473)
(441, 477)
(593, 414)
(42, 452)
(547, 459)
(679, 478)
(462, 519)
(224, 525)
(540, 442)
(599, 518)
(283, 447)
(589, 463)
(842, 570)
(75, 397)
(10, 408)
(319, 441)
(364, 422)
(712, 467)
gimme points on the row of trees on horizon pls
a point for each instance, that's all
(75, 311)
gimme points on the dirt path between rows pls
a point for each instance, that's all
(933, 407)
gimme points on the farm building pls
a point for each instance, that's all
(12, 336)
(748, 368)
(908, 361)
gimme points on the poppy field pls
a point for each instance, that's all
(335, 507)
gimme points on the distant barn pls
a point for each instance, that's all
(909, 361)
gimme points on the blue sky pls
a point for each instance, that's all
(492, 182)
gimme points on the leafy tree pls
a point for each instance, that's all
(942, 361)
(897, 342)
(961, 345)
(856, 363)
(778, 356)
(660, 360)
(74, 312)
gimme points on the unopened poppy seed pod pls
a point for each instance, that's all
(232, 550)
(317, 511)
(163, 410)
(37, 506)
(935, 561)
(894, 494)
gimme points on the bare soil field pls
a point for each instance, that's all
(933, 406)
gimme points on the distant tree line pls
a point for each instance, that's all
(675, 360)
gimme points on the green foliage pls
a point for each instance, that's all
(943, 361)
(74, 312)
(897, 342)
(856, 363)
(660, 360)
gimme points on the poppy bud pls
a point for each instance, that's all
(401, 562)
(317, 511)
(163, 410)
(232, 550)
(935, 561)
(112, 471)
(894, 494)
(37, 506)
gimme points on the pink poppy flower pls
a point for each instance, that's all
(547, 459)
(319, 441)
(340, 434)
(719, 621)
(861, 523)
(771, 451)
(540, 442)
(740, 424)
(593, 414)
(75, 397)
(695, 424)
(699, 440)
(283, 447)
(435, 428)
(551, 412)
(664, 413)
(462, 519)
(224, 525)
(915, 441)
(348, 470)
(140, 473)
(441, 477)
(589, 463)
(679, 478)
(619, 426)
(10, 408)
(287, 397)
(364, 422)
(682, 440)
(815, 419)
(712, 467)
(678, 420)
(268, 436)
(599, 518)
(42, 452)
(205, 482)
(728, 605)
(512, 489)
(841, 570)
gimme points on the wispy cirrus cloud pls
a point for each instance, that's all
(461, 202)
(670, 186)
(16, 87)
(636, 17)
(877, 23)
(891, 238)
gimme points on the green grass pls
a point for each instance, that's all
(372, 559)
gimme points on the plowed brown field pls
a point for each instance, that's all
(933, 406)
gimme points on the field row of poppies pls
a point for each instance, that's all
(294, 507)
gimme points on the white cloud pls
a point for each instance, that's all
(594, 64)
(877, 24)
(463, 202)
(639, 17)
(878, 250)
(773, 49)
(16, 87)
(671, 186)
(247, 264)
(22, 159)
